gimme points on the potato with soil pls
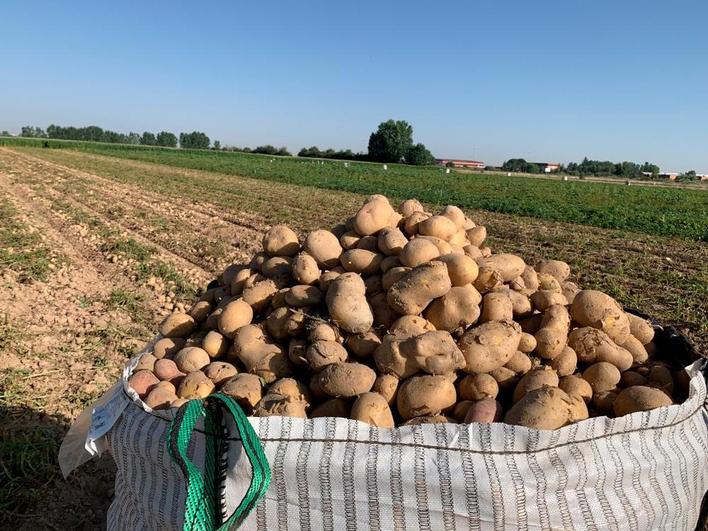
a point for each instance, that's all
(545, 408)
(305, 269)
(477, 387)
(363, 345)
(433, 352)
(639, 398)
(411, 294)
(191, 359)
(490, 345)
(343, 380)
(598, 310)
(281, 240)
(245, 388)
(235, 314)
(418, 251)
(323, 353)
(425, 395)
(374, 215)
(535, 379)
(602, 376)
(552, 336)
(324, 247)
(640, 328)
(391, 241)
(167, 347)
(177, 325)
(387, 386)
(373, 409)
(220, 372)
(334, 407)
(195, 385)
(592, 345)
(361, 261)
(143, 382)
(458, 308)
(347, 304)
(215, 344)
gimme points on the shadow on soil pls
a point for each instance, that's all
(33, 493)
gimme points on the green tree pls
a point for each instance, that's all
(419, 155)
(166, 139)
(532, 168)
(33, 132)
(193, 140)
(391, 141)
(518, 165)
(148, 139)
(217, 145)
(5, 132)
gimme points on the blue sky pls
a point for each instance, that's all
(547, 80)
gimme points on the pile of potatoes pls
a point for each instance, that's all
(399, 317)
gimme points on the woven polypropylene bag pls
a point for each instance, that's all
(642, 471)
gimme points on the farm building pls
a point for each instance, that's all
(459, 163)
(548, 167)
(671, 176)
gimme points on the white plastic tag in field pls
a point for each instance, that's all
(103, 417)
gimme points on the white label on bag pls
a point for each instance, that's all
(104, 416)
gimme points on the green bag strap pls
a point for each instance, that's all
(203, 508)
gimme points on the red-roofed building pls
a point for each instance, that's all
(460, 163)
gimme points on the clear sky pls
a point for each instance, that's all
(546, 80)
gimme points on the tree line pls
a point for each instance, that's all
(588, 167)
(391, 142)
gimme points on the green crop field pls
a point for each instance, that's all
(661, 211)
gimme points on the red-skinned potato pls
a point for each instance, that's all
(143, 382)
(484, 411)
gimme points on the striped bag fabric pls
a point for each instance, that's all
(642, 471)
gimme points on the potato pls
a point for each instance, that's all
(527, 343)
(392, 276)
(639, 398)
(191, 359)
(324, 247)
(552, 337)
(290, 388)
(548, 282)
(544, 299)
(630, 378)
(167, 370)
(347, 304)
(251, 345)
(374, 216)
(346, 379)
(411, 223)
(409, 326)
(459, 307)
(484, 411)
(305, 270)
(578, 409)
(461, 269)
(604, 400)
(476, 235)
(387, 386)
(278, 268)
(574, 385)
(259, 295)
(296, 351)
(640, 329)
(199, 311)
(602, 376)
(349, 240)
(506, 379)
(455, 215)
(565, 363)
(272, 366)
(559, 270)
(363, 345)
(239, 280)
(472, 252)
(177, 325)
(535, 379)
(418, 251)
(361, 261)
(592, 344)
(660, 377)
(302, 295)
(389, 262)
(520, 363)
(334, 407)
(273, 404)
(324, 332)
(636, 349)
(195, 385)
(391, 241)
(246, 389)
(569, 290)
(384, 316)
(220, 372)
(439, 226)
(390, 360)
(146, 362)
(459, 412)
(425, 395)
(545, 408)
(212, 322)
(443, 246)
(478, 386)
(412, 293)
(509, 266)
(167, 347)
(143, 382)
(433, 352)
(489, 345)
(236, 314)
(373, 409)
(215, 344)
(323, 353)
(160, 398)
(594, 308)
(496, 306)
(281, 240)
(409, 206)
